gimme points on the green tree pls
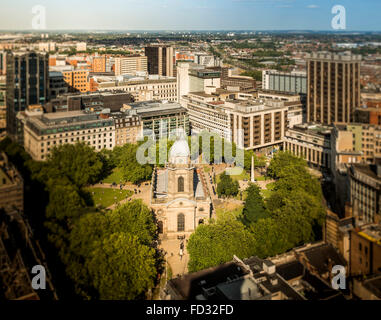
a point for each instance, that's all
(121, 267)
(94, 236)
(254, 208)
(217, 242)
(132, 170)
(227, 187)
(78, 162)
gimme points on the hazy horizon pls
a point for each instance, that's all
(197, 15)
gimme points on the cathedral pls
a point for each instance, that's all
(180, 197)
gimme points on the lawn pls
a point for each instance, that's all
(266, 193)
(115, 176)
(106, 197)
(244, 175)
(228, 210)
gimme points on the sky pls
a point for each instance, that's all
(361, 15)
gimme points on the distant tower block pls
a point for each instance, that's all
(252, 170)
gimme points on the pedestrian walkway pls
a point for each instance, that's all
(178, 264)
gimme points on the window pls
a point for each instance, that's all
(180, 184)
(180, 222)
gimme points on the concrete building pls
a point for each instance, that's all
(99, 64)
(27, 84)
(3, 107)
(365, 192)
(11, 186)
(248, 279)
(179, 195)
(89, 101)
(295, 112)
(57, 84)
(333, 88)
(81, 46)
(127, 127)
(130, 65)
(160, 60)
(76, 80)
(207, 60)
(365, 250)
(142, 88)
(311, 142)
(287, 82)
(42, 133)
(160, 117)
(195, 78)
(237, 117)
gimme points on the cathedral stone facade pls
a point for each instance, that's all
(180, 197)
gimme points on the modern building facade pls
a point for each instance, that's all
(130, 65)
(292, 82)
(311, 142)
(44, 132)
(127, 127)
(333, 87)
(27, 84)
(365, 192)
(142, 88)
(161, 118)
(76, 80)
(248, 122)
(160, 60)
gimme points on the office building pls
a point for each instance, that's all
(27, 84)
(195, 78)
(3, 63)
(333, 87)
(237, 117)
(99, 64)
(130, 65)
(127, 127)
(294, 82)
(3, 107)
(142, 88)
(89, 101)
(293, 101)
(160, 60)
(160, 117)
(311, 142)
(44, 132)
(57, 84)
(248, 279)
(365, 256)
(81, 46)
(76, 80)
(365, 191)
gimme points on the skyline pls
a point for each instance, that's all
(200, 15)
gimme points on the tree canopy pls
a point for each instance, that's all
(217, 242)
(227, 187)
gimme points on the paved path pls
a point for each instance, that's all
(179, 265)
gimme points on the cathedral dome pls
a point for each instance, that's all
(180, 150)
